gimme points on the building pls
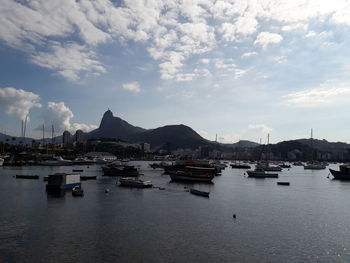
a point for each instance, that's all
(146, 147)
(66, 139)
(79, 137)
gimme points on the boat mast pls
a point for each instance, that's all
(268, 150)
(43, 135)
(312, 147)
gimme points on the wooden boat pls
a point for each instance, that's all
(342, 174)
(283, 183)
(199, 192)
(77, 191)
(23, 176)
(193, 176)
(120, 170)
(134, 182)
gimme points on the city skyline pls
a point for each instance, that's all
(236, 69)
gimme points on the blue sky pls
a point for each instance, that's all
(239, 69)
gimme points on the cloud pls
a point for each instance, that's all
(325, 95)
(18, 102)
(172, 32)
(59, 115)
(249, 54)
(246, 133)
(266, 38)
(132, 87)
(69, 60)
(262, 127)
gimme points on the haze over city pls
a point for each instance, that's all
(239, 69)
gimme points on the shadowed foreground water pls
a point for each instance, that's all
(308, 221)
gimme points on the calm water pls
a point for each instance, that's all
(308, 221)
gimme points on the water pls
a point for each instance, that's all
(308, 221)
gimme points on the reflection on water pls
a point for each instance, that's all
(307, 221)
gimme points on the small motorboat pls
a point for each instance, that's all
(283, 183)
(134, 182)
(199, 192)
(77, 191)
(27, 176)
(88, 177)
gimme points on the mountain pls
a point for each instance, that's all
(114, 127)
(324, 145)
(167, 137)
(172, 137)
(243, 144)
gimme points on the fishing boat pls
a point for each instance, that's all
(77, 191)
(62, 181)
(134, 182)
(118, 169)
(27, 176)
(193, 166)
(342, 174)
(199, 192)
(191, 173)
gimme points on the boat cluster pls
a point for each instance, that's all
(183, 170)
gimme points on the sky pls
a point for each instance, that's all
(239, 69)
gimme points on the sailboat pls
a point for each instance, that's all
(239, 165)
(261, 171)
(313, 165)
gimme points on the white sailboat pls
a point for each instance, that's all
(313, 165)
(261, 171)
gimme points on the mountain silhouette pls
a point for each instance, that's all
(167, 137)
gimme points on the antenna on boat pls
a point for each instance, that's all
(216, 138)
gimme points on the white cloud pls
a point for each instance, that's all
(69, 60)
(132, 87)
(185, 77)
(18, 102)
(325, 95)
(60, 116)
(247, 133)
(172, 32)
(266, 38)
(262, 127)
(249, 54)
